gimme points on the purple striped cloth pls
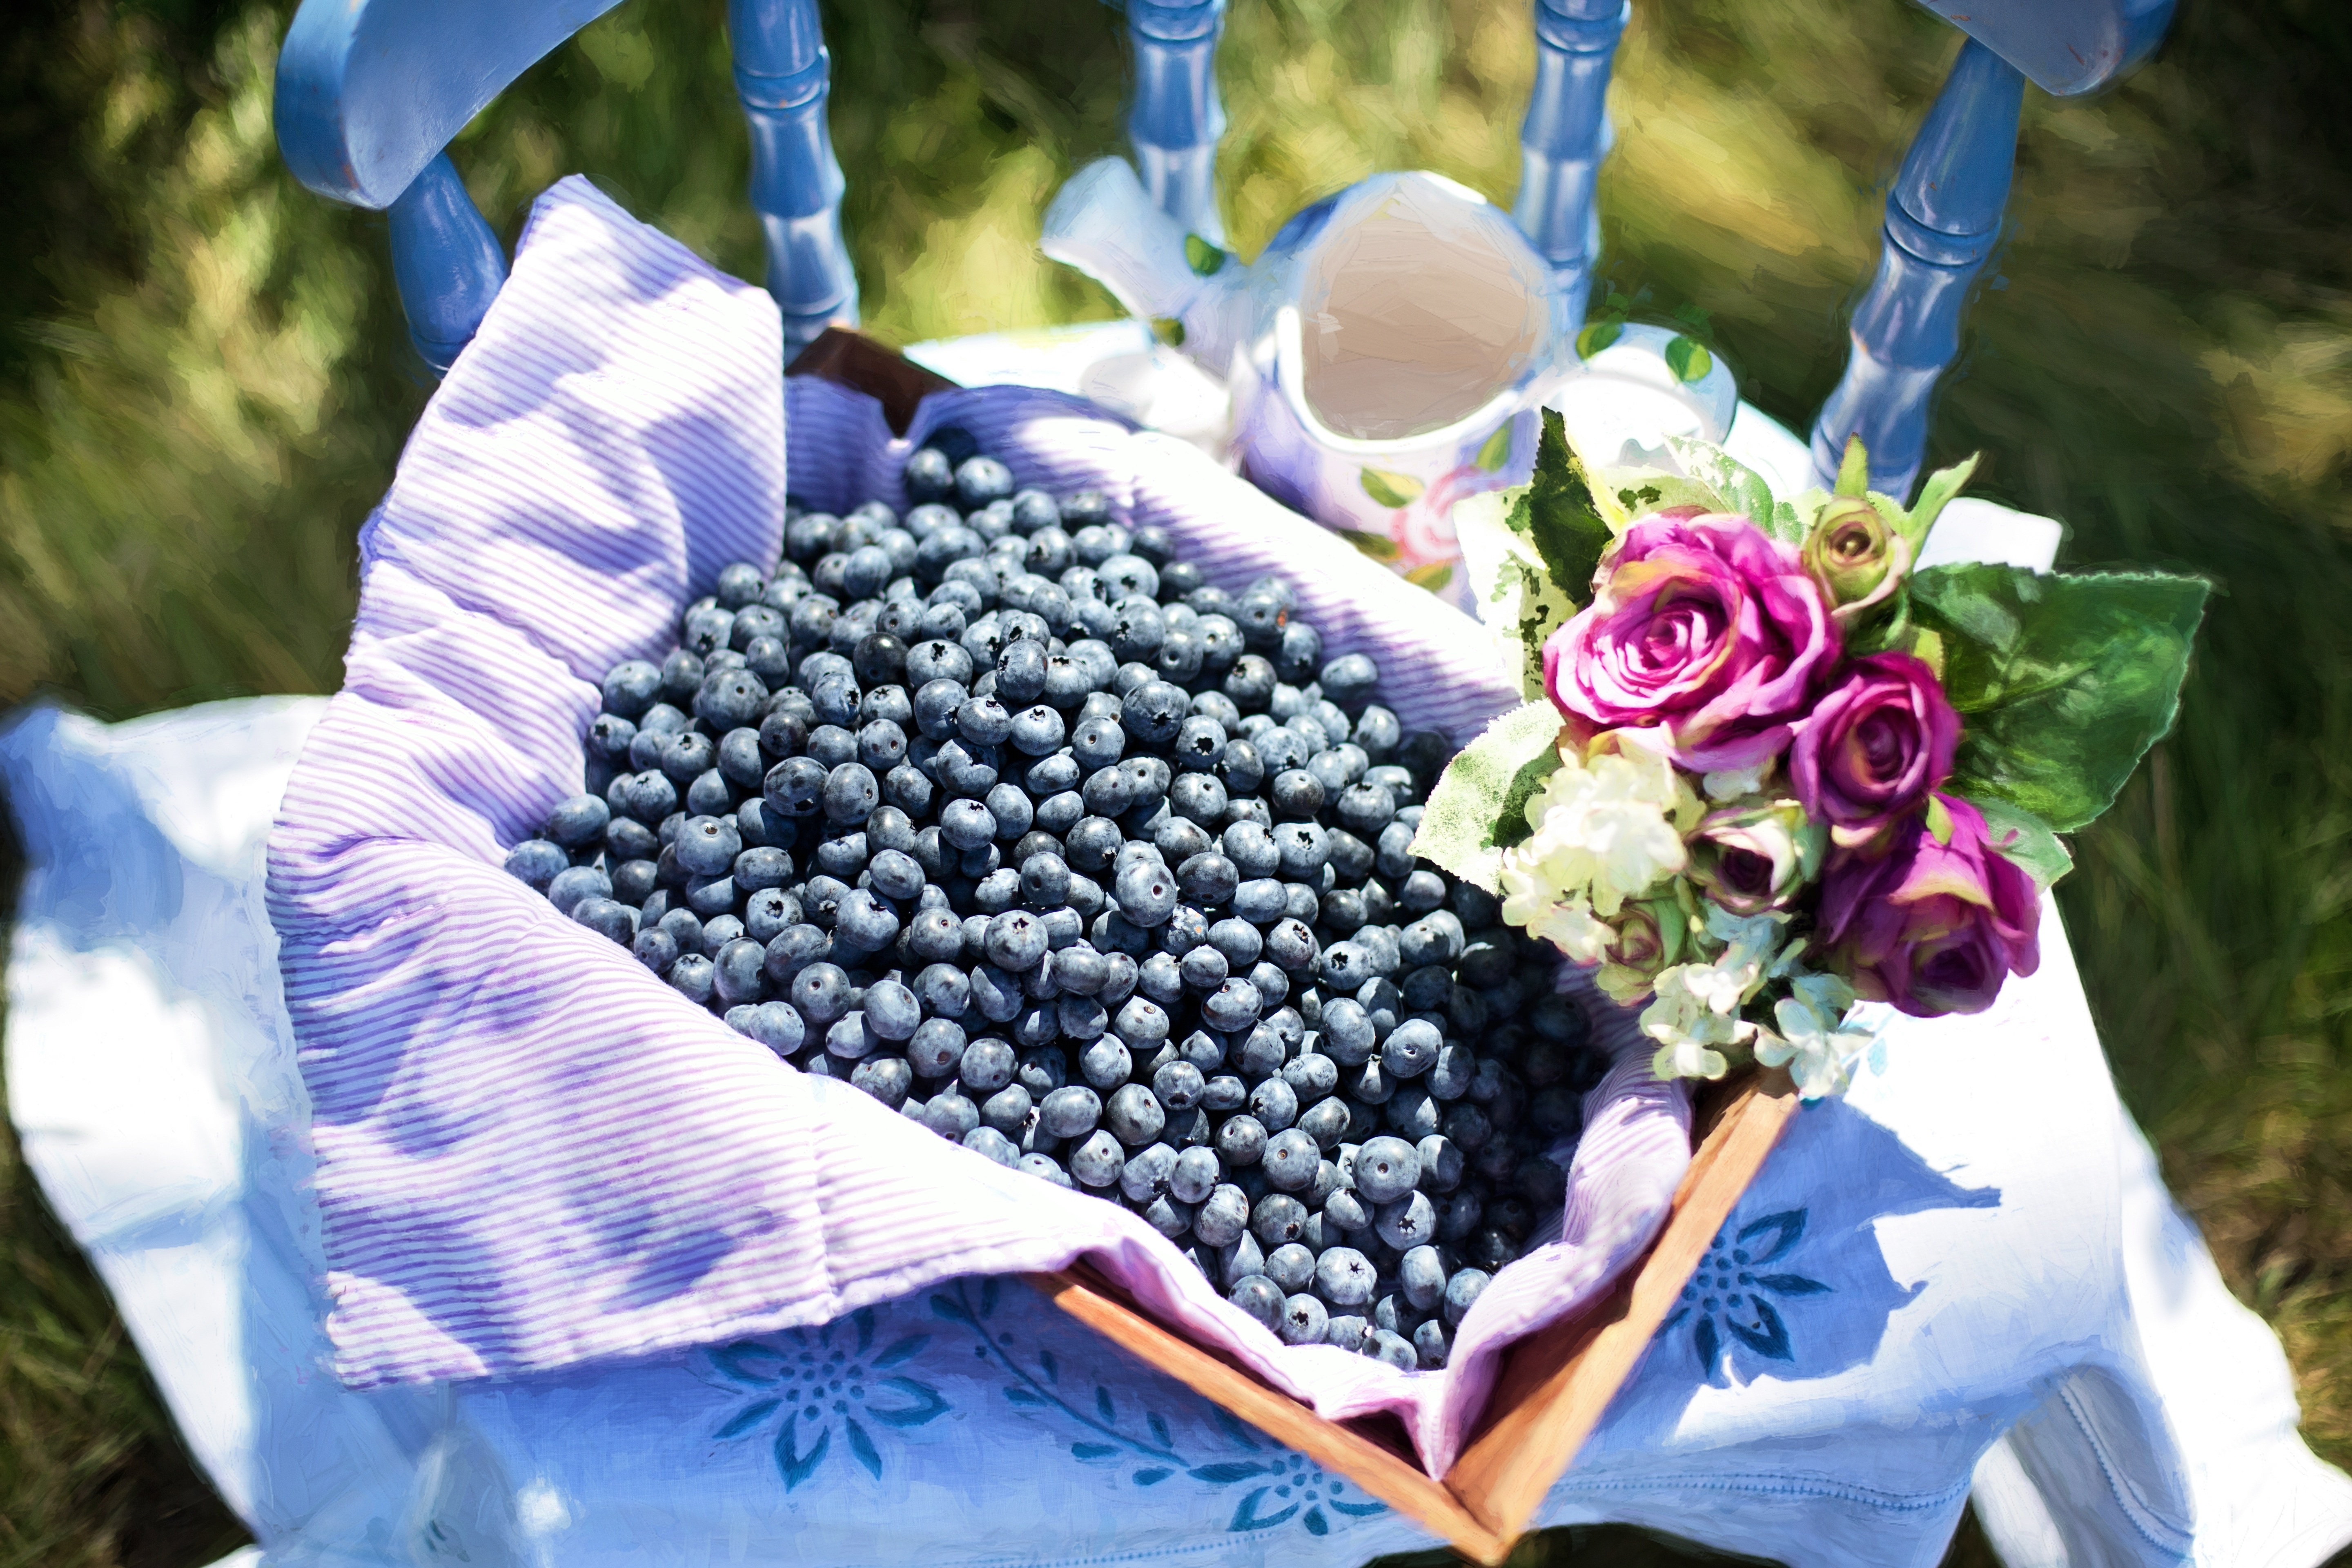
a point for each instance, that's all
(531, 1153)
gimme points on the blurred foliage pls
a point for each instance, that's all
(204, 383)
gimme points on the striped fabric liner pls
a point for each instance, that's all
(531, 1152)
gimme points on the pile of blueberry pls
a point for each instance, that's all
(1005, 815)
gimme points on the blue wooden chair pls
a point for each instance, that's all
(370, 92)
(1943, 215)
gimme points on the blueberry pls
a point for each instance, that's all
(1195, 1177)
(981, 480)
(654, 948)
(568, 887)
(537, 863)
(1259, 1297)
(1179, 1085)
(1154, 711)
(1106, 1063)
(1387, 1169)
(1011, 810)
(987, 1064)
(1290, 1158)
(1016, 940)
(1147, 1173)
(1274, 1102)
(989, 1143)
(1406, 1222)
(937, 1046)
(1461, 1290)
(578, 821)
(692, 976)
(1145, 892)
(1098, 1161)
(821, 991)
(1078, 969)
(1141, 1024)
(929, 477)
(1233, 1006)
(630, 688)
(1007, 1110)
(1242, 1140)
(607, 918)
(1070, 1112)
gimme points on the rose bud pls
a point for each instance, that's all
(1930, 926)
(1855, 558)
(1752, 858)
(1701, 627)
(1875, 746)
(1649, 937)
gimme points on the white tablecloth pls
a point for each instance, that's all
(1966, 1275)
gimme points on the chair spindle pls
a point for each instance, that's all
(1564, 137)
(446, 262)
(783, 73)
(1943, 218)
(1177, 120)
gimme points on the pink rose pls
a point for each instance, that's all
(1932, 928)
(1875, 746)
(1701, 625)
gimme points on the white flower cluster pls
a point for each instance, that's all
(1696, 1012)
(1606, 831)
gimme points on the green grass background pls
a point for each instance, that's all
(204, 385)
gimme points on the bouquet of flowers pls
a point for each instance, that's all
(1773, 771)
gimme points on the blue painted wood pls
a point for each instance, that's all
(1564, 137)
(370, 92)
(2063, 47)
(446, 262)
(783, 74)
(1177, 119)
(1942, 220)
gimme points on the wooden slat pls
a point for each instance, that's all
(851, 359)
(1385, 1474)
(1555, 1384)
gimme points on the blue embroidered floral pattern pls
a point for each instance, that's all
(809, 1384)
(1731, 1292)
(1278, 1486)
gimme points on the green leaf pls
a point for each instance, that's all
(1854, 469)
(1737, 487)
(1558, 514)
(1498, 449)
(1940, 820)
(1941, 487)
(1434, 576)
(1598, 336)
(1379, 546)
(1478, 807)
(1169, 331)
(1202, 258)
(2063, 683)
(1543, 609)
(1688, 358)
(1387, 488)
(2025, 839)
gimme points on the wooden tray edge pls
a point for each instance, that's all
(1390, 1478)
(1556, 1384)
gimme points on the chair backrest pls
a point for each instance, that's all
(370, 92)
(1944, 213)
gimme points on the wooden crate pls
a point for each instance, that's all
(1553, 1386)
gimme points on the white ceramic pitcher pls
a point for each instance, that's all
(1385, 355)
